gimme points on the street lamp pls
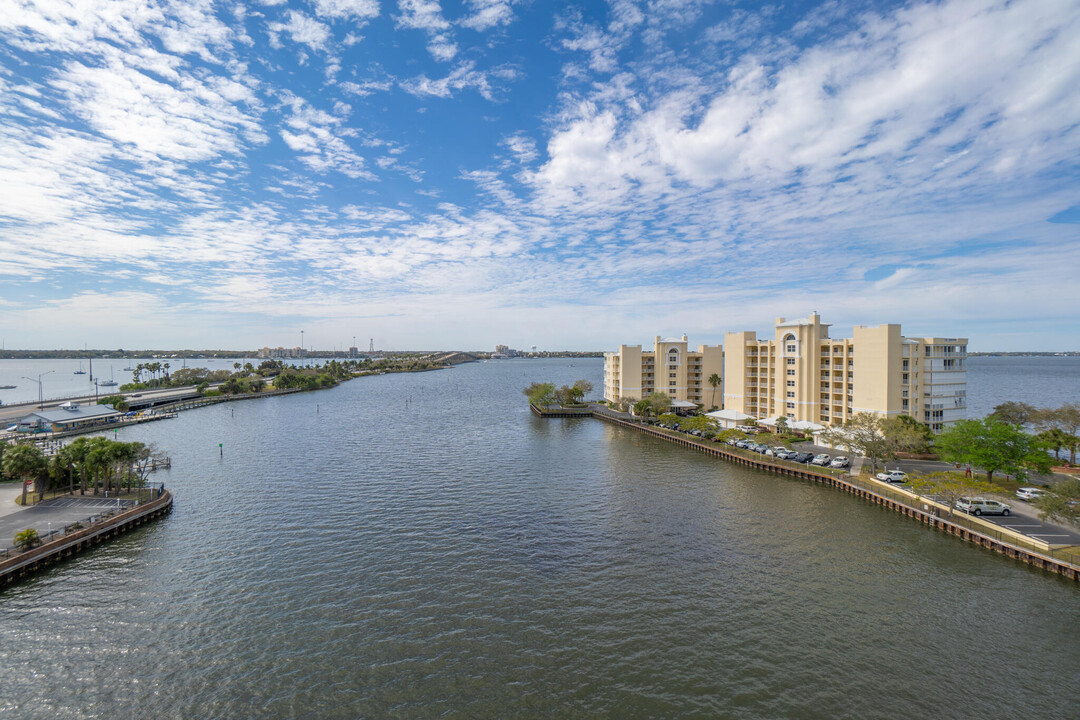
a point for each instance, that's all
(40, 396)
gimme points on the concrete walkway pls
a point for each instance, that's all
(8, 492)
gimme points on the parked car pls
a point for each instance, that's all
(802, 457)
(734, 442)
(1029, 493)
(821, 460)
(892, 476)
(982, 506)
(840, 462)
(784, 453)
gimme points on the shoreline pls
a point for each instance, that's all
(968, 529)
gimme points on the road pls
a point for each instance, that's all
(143, 398)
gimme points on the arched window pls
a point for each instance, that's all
(673, 357)
(791, 346)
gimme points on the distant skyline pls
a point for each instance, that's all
(571, 176)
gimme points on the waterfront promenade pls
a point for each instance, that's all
(1058, 557)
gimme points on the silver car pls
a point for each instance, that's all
(982, 506)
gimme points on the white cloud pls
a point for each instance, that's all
(487, 14)
(426, 15)
(358, 9)
(303, 29)
(463, 76)
(318, 138)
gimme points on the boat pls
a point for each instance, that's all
(7, 387)
(129, 368)
(110, 382)
(80, 371)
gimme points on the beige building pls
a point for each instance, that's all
(803, 374)
(669, 367)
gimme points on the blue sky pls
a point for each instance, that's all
(567, 175)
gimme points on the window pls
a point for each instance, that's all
(671, 375)
(905, 364)
(905, 379)
(671, 382)
(791, 405)
(791, 383)
(791, 361)
(791, 348)
(791, 372)
(790, 394)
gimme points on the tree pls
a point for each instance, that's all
(1055, 439)
(641, 408)
(1065, 418)
(993, 446)
(864, 434)
(912, 435)
(580, 389)
(539, 394)
(1061, 503)
(781, 424)
(25, 462)
(1014, 413)
(715, 381)
(659, 403)
(27, 538)
(948, 487)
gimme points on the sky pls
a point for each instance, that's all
(453, 174)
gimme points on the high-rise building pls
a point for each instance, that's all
(670, 367)
(803, 374)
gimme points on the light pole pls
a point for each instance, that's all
(301, 346)
(40, 395)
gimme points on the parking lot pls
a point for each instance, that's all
(55, 514)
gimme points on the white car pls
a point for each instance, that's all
(822, 460)
(1029, 493)
(892, 476)
(982, 506)
(840, 462)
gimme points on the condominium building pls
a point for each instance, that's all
(669, 367)
(803, 374)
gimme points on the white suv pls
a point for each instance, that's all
(1029, 493)
(892, 476)
(981, 506)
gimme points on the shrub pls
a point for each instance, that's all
(28, 538)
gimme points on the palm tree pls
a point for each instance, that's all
(165, 367)
(714, 380)
(25, 462)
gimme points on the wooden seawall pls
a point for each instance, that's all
(928, 515)
(20, 566)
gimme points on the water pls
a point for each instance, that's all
(58, 378)
(421, 546)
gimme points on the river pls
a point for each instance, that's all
(421, 546)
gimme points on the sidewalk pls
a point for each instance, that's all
(8, 492)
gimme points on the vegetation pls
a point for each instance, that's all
(541, 394)
(692, 422)
(993, 446)
(1065, 420)
(25, 462)
(115, 401)
(1061, 503)
(948, 487)
(27, 538)
(715, 381)
(876, 438)
(1014, 413)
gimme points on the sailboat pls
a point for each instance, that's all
(110, 382)
(129, 368)
(80, 371)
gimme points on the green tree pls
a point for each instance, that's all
(1014, 413)
(580, 389)
(641, 408)
(116, 401)
(994, 446)
(659, 403)
(715, 381)
(781, 424)
(27, 538)
(948, 487)
(1055, 439)
(1061, 503)
(540, 394)
(25, 462)
(1066, 419)
(865, 434)
(912, 435)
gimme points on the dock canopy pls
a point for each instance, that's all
(681, 406)
(729, 418)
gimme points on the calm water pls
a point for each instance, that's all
(421, 546)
